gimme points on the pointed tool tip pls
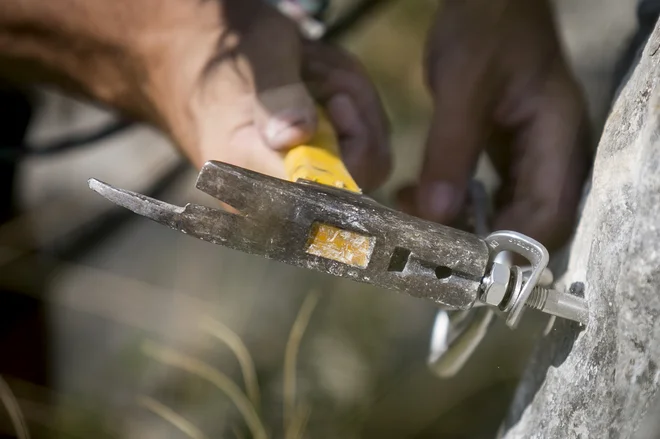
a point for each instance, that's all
(135, 202)
(109, 192)
(95, 184)
(106, 190)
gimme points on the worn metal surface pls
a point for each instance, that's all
(277, 219)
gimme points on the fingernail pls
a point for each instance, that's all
(439, 201)
(288, 128)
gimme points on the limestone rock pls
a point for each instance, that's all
(598, 381)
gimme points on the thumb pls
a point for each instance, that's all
(285, 114)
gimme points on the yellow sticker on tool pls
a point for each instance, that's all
(345, 246)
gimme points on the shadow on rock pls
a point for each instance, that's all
(552, 350)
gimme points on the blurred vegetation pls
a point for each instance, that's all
(391, 46)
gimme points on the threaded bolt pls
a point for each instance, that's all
(538, 297)
(559, 304)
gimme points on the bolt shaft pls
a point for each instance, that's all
(559, 304)
(538, 298)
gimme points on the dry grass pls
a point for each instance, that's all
(291, 411)
(172, 417)
(14, 410)
(296, 414)
(207, 372)
(234, 342)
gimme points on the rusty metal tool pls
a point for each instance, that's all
(320, 220)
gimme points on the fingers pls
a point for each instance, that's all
(284, 111)
(454, 141)
(285, 116)
(355, 111)
(254, 104)
(549, 164)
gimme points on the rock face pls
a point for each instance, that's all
(599, 381)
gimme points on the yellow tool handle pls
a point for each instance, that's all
(319, 160)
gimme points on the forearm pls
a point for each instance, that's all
(107, 50)
(62, 41)
(176, 64)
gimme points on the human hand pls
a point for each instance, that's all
(223, 78)
(500, 85)
(252, 102)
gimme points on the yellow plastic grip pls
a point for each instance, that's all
(320, 159)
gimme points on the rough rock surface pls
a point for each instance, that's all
(599, 381)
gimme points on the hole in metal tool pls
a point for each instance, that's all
(402, 260)
(399, 259)
(442, 272)
(341, 245)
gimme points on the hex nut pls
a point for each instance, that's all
(497, 284)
